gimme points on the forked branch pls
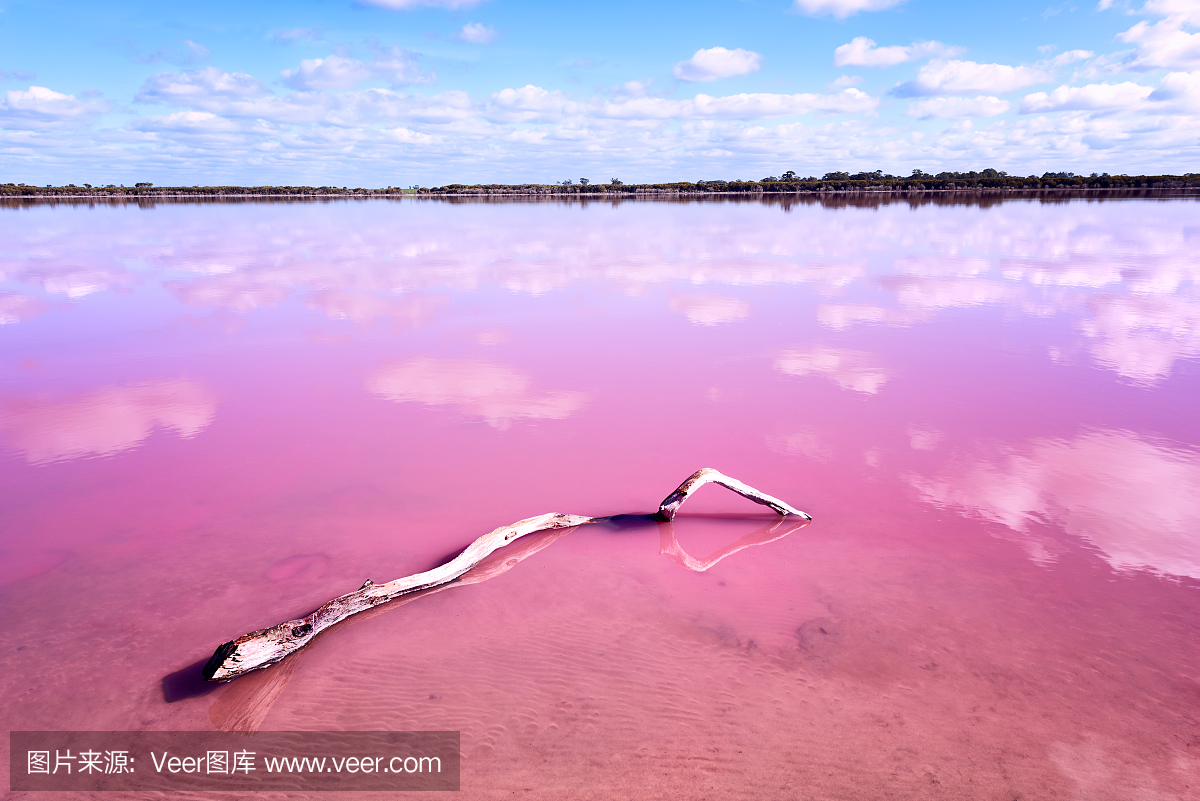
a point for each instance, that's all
(258, 649)
(706, 475)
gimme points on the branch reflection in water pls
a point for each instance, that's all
(775, 530)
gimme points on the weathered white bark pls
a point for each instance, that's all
(266, 647)
(245, 703)
(258, 649)
(706, 475)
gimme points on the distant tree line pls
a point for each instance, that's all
(786, 183)
(150, 190)
(878, 181)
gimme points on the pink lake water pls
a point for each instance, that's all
(216, 417)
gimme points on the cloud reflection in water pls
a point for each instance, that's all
(105, 421)
(849, 369)
(1135, 500)
(1124, 275)
(1141, 337)
(15, 306)
(496, 393)
(366, 307)
(710, 309)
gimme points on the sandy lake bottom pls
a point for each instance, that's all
(216, 417)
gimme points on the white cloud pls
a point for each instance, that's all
(940, 77)
(716, 63)
(332, 72)
(740, 106)
(643, 134)
(496, 393)
(38, 107)
(849, 369)
(396, 66)
(1164, 44)
(648, 108)
(1185, 10)
(106, 421)
(533, 103)
(186, 122)
(1134, 500)
(842, 8)
(378, 105)
(753, 106)
(1070, 57)
(241, 96)
(862, 52)
(957, 107)
(529, 102)
(410, 137)
(200, 88)
(477, 33)
(1179, 89)
(1093, 97)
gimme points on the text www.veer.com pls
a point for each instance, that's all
(353, 764)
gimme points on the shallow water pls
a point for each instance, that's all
(217, 417)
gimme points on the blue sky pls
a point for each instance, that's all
(403, 92)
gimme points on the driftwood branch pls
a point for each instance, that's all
(265, 647)
(706, 475)
(245, 703)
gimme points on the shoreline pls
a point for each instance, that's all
(989, 182)
(360, 194)
(825, 196)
